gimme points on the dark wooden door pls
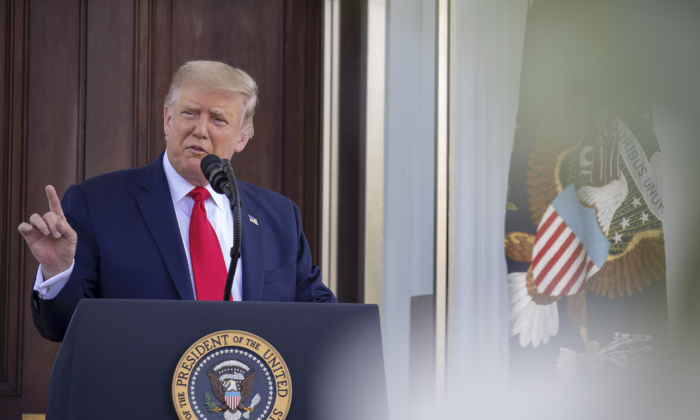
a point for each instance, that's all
(84, 83)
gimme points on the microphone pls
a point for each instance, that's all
(214, 173)
(220, 175)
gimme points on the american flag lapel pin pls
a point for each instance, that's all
(253, 220)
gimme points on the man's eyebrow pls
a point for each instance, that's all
(192, 107)
(218, 113)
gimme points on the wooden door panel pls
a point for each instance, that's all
(109, 86)
(43, 86)
(249, 35)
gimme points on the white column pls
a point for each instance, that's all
(409, 179)
(486, 44)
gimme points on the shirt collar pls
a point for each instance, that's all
(179, 187)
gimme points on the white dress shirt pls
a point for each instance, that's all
(219, 214)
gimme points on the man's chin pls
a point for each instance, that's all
(193, 173)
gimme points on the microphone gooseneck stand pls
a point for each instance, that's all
(219, 173)
(234, 197)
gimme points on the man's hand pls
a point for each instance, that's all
(50, 238)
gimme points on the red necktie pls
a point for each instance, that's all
(208, 266)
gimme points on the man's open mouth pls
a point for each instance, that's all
(196, 149)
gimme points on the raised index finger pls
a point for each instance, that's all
(54, 202)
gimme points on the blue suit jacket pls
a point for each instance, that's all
(129, 247)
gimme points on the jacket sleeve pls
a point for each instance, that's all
(310, 288)
(52, 317)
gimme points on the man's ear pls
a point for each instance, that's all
(242, 141)
(167, 116)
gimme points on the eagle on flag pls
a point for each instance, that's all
(593, 233)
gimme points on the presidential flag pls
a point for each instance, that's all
(584, 239)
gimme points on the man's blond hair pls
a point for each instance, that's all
(219, 77)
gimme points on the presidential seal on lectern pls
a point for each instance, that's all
(231, 374)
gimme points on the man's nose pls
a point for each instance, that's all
(200, 130)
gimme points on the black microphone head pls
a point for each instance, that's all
(213, 171)
(208, 163)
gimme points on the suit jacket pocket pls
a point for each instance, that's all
(283, 273)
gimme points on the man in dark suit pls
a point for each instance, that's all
(161, 232)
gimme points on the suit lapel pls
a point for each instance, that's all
(156, 206)
(251, 251)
